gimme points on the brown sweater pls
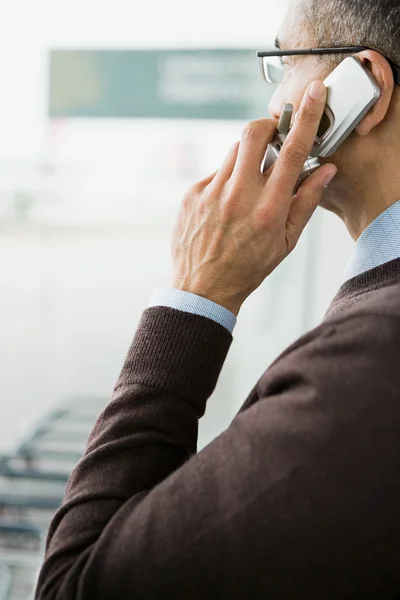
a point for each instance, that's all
(298, 499)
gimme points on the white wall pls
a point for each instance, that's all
(28, 29)
(70, 301)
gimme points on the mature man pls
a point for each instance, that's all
(300, 497)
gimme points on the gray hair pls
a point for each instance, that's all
(372, 23)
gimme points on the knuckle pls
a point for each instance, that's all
(253, 129)
(232, 198)
(265, 218)
(231, 201)
(296, 152)
(196, 189)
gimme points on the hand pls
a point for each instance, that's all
(237, 225)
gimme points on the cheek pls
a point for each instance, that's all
(295, 84)
(290, 91)
(301, 78)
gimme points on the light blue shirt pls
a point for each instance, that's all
(193, 304)
(378, 244)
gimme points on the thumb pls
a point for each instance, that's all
(306, 201)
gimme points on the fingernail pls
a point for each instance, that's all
(329, 178)
(317, 90)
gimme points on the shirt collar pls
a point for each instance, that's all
(378, 244)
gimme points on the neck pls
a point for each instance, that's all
(369, 191)
(368, 181)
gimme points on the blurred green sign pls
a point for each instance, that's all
(174, 84)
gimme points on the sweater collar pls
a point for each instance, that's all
(382, 276)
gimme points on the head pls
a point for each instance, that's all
(367, 157)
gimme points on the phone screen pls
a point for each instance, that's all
(324, 125)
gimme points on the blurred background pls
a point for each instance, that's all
(109, 111)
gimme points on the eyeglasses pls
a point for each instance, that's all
(273, 68)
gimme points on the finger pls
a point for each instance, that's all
(253, 146)
(306, 201)
(299, 142)
(226, 169)
(203, 183)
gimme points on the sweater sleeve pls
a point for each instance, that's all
(297, 499)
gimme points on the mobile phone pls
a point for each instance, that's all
(351, 93)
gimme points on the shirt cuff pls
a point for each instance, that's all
(196, 305)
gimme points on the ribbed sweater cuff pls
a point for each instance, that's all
(177, 352)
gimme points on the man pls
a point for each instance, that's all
(300, 497)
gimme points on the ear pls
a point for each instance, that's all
(382, 73)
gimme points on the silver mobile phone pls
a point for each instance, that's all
(351, 93)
